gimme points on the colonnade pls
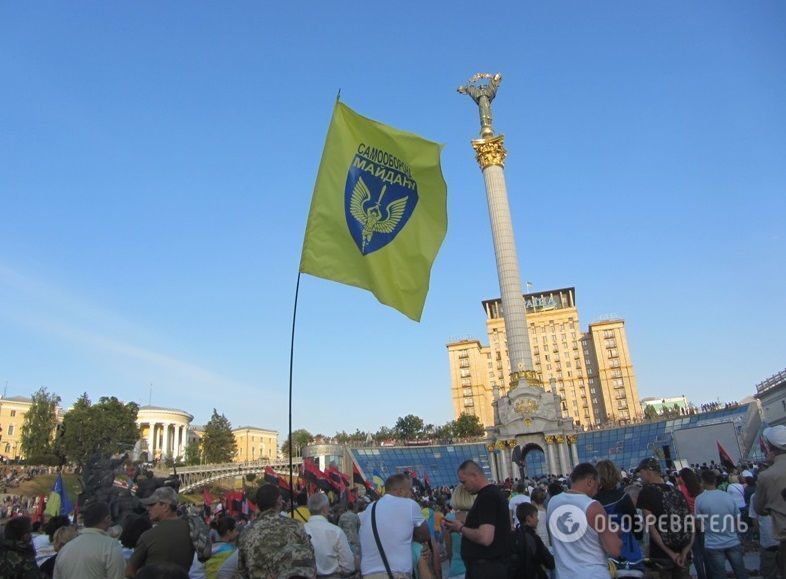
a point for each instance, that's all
(165, 439)
(561, 453)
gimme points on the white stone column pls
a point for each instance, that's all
(513, 309)
(176, 442)
(165, 442)
(551, 460)
(574, 450)
(150, 440)
(564, 461)
(493, 465)
(504, 457)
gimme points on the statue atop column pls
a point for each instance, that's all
(482, 87)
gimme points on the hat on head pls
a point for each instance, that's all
(776, 436)
(649, 463)
(166, 495)
(747, 474)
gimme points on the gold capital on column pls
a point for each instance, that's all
(560, 438)
(551, 439)
(490, 152)
(572, 438)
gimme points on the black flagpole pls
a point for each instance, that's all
(291, 360)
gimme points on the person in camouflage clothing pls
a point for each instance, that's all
(17, 557)
(275, 547)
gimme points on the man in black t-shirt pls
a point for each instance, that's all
(485, 535)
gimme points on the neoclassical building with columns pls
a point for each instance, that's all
(165, 430)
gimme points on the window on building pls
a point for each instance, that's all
(608, 333)
(466, 382)
(467, 391)
(469, 402)
(11, 430)
(8, 447)
(465, 373)
(13, 413)
(613, 353)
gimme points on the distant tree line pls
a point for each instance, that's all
(407, 428)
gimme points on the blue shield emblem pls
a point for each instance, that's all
(379, 199)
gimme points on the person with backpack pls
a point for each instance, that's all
(529, 555)
(668, 519)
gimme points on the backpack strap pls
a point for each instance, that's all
(379, 543)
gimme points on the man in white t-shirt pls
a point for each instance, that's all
(398, 517)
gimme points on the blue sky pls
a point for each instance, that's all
(157, 162)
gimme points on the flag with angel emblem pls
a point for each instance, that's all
(378, 214)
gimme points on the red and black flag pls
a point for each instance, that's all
(273, 478)
(336, 479)
(313, 475)
(357, 478)
(725, 459)
(427, 483)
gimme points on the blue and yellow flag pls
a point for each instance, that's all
(58, 502)
(378, 215)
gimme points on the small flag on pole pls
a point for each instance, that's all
(378, 214)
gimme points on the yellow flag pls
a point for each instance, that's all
(378, 215)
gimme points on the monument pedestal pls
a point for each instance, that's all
(528, 417)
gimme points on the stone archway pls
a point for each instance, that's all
(529, 456)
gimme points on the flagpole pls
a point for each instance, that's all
(291, 360)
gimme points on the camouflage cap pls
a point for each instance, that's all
(166, 495)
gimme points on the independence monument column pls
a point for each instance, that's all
(490, 153)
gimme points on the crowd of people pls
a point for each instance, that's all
(11, 476)
(597, 522)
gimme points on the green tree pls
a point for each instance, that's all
(218, 442)
(193, 454)
(409, 427)
(650, 411)
(446, 431)
(108, 427)
(467, 426)
(300, 438)
(37, 434)
(384, 433)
